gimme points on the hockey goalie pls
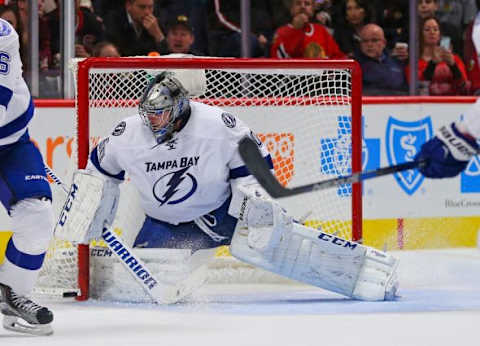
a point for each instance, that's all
(182, 157)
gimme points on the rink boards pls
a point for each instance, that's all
(403, 211)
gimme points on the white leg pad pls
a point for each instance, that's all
(378, 279)
(197, 272)
(177, 267)
(320, 259)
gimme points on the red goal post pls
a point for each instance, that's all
(155, 63)
(306, 93)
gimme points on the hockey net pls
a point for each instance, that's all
(307, 112)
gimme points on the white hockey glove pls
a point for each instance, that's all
(251, 205)
(91, 204)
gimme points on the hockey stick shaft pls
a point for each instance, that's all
(55, 179)
(257, 165)
(160, 292)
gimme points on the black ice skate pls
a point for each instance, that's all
(23, 315)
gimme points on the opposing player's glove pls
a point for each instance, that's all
(447, 154)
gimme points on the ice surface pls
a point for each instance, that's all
(439, 305)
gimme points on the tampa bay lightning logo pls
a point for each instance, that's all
(403, 142)
(175, 187)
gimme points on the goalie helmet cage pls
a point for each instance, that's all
(304, 92)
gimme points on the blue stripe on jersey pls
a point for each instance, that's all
(5, 96)
(17, 124)
(96, 163)
(23, 260)
(23, 138)
(242, 171)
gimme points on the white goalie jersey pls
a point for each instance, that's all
(185, 177)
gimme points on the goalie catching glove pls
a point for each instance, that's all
(91, 204)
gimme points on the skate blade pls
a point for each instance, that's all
(13, 324)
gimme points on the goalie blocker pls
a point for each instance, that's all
(267, 237)
(91, 204)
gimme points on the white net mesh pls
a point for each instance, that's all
(303, 115)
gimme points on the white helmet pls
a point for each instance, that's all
(163, 103)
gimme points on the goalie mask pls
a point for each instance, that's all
(164, 106)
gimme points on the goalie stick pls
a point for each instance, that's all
(257, 165)
(159, 291)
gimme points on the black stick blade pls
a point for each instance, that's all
(259, 168)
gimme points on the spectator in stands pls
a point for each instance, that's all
(382, 73)
(472, 51)
(450, 35)
(89, 30)
(134, 29)
(45, 51)
(442, 69)
(180, 37)
(353, 16)
(301, 38)
(52, 18)
(324, 14)
(87, 4)
(457, 13)
(281, 12)
(105, 49)
(197, 13)
(394, 21)
(48, 72)
(225, 30)
(103, 7)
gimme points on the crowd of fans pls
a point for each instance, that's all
(374, 32)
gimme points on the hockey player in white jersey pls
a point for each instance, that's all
(447, 154)
(197, 194)
(25, 194)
